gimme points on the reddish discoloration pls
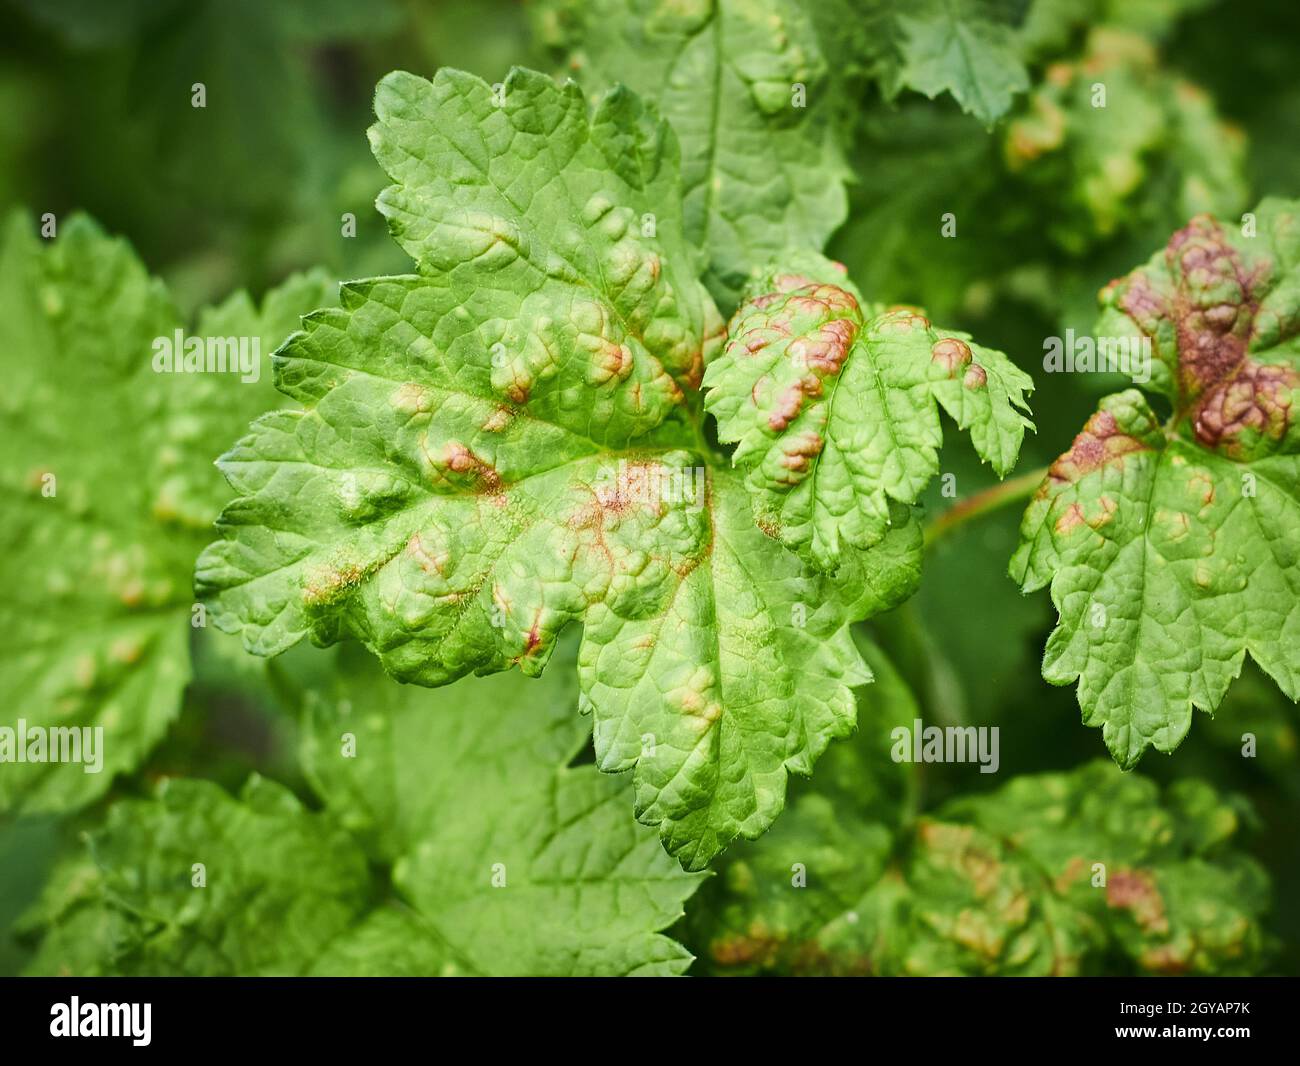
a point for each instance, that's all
(610, 362)
(1136, 892)
(1071, 518)
(788, 403)
(691, 378)
(755, 340)
(628, 491)
(1202, 484)
(976, 377)
(798, 452)
(1100, 442)
(534, 640)
(806, 297)
(1257, 399)
(813, 327)
(902, 321)
(825, 349)
(1213, 308)
(458, 459)
(951, 354)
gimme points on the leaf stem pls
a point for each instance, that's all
(991, 499)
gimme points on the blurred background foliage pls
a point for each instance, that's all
(1204, 114)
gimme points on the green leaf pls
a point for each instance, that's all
(1171, 548)
(836, 409)
(500, 858)
(470, 790)
(1053, 874)
(756, 91)
(964, 47)
(504, 444)
(109, 488)
(838, 833)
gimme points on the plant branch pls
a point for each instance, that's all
(991, 499)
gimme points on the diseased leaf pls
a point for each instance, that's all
(1171, 547)
(836, 837)
(1049, 24)
(503, 859)
(835, 408)
(755, 90)
(504, 444)
(1116, 138)
(109, 491)
(1053, 874)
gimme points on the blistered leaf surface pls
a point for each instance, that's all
(503, 444)
(754, 89)
(1171, 546)
(109, 490)
(835, 408)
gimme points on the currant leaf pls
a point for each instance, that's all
(1170, 545)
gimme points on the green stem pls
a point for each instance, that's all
(961, 512)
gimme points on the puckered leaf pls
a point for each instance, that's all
(835, 408)
(1054, 874)
(109, 488)
(500, 858)
(554, 234)
(1171, 548)
(753, 89)
(501, 445)
(1058, 874)
(1152, 143)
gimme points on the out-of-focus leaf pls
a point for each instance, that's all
(964, 47)
(1123, 143)
(504, 859)
(108, 477)
(1053, 874)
